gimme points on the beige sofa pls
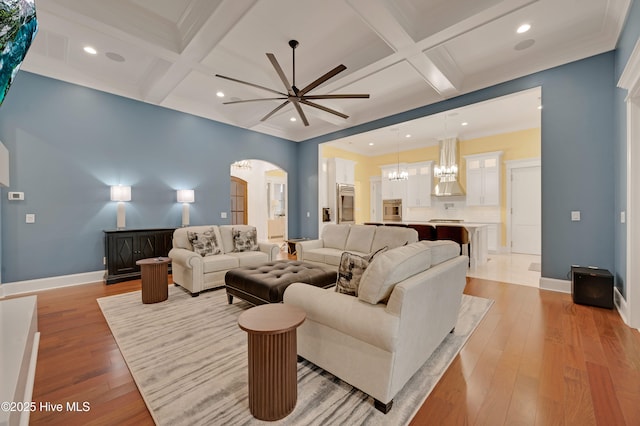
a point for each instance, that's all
(408, 301)
(196, 272)
(358, 239)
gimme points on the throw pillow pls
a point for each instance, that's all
(245, 240)
(351, 269)
(204, 243)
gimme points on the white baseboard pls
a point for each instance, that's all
(621, 305)
(562, 286)
(28, 286)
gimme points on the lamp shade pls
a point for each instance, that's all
(186, 196)
(120, 193)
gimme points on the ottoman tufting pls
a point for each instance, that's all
(266, 283)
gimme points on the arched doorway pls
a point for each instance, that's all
(266, 198)
(238, 201)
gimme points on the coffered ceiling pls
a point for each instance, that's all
(404, 53)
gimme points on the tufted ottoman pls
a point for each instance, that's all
(266, 283)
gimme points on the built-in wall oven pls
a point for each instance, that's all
(346, 204)
(392, 210)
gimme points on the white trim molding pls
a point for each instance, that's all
(553, 284)
(630, 80)
(29, 286)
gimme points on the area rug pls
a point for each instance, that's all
(188, 358)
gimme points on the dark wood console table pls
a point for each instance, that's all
(123, 248)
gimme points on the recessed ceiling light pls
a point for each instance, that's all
(523, 28)
(220, 94)
(539, 106)
(407, 136)
(371, 143)
(293, 119)
(90, 50)
(464, 124)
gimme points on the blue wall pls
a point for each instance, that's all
(68, 144)
(577, 160)
(626, 43)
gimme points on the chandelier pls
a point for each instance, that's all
(242, 164)
(397, 174)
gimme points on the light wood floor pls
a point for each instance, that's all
(536, 359)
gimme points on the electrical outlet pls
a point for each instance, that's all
(104, 260)
(223, 215)
(30, 218)
(575, 215)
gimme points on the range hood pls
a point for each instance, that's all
(446, 172)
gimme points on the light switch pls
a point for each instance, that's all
(623, 217)
(308, 214)
(575, 215)
(30, 218)
(223, 215)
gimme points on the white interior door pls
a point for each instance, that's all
(526, 224)
(376, 200)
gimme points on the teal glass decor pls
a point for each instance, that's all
(18, 27)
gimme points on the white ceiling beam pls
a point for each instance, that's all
(203, 41)
(376, 15)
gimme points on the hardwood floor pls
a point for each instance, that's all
(536, 359)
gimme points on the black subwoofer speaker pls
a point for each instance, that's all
(592, 287)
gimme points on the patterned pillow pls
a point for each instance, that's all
(204, 243)
(245, 240)
(351, 269)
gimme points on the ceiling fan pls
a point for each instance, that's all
(294, 95)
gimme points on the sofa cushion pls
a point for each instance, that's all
(391, 267)
(250, 258)
(335, 236)
(181, 235)
(360, 238)
(351, 269)
(245, 239)
(221, 262)
(442, 250)
(393, 236)
(226, 232)
(205, 243)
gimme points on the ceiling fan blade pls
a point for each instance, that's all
(283, 77)
(322, 79)
(340, 96)
(251, 84)
(324, 108)
(300, 112)
(276, 109)
(252, 100)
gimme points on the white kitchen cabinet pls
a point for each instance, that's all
(483, 179)
(419, 184)
(341, 170)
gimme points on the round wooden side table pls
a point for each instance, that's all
(272, 353)
(155, 279)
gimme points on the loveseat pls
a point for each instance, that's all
(407, 302)
(358, 239)
(202, 255)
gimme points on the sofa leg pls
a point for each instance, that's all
(381, 406)
(196, 294)
(230, 298)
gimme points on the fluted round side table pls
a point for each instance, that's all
(155, 279)
(272, 353)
